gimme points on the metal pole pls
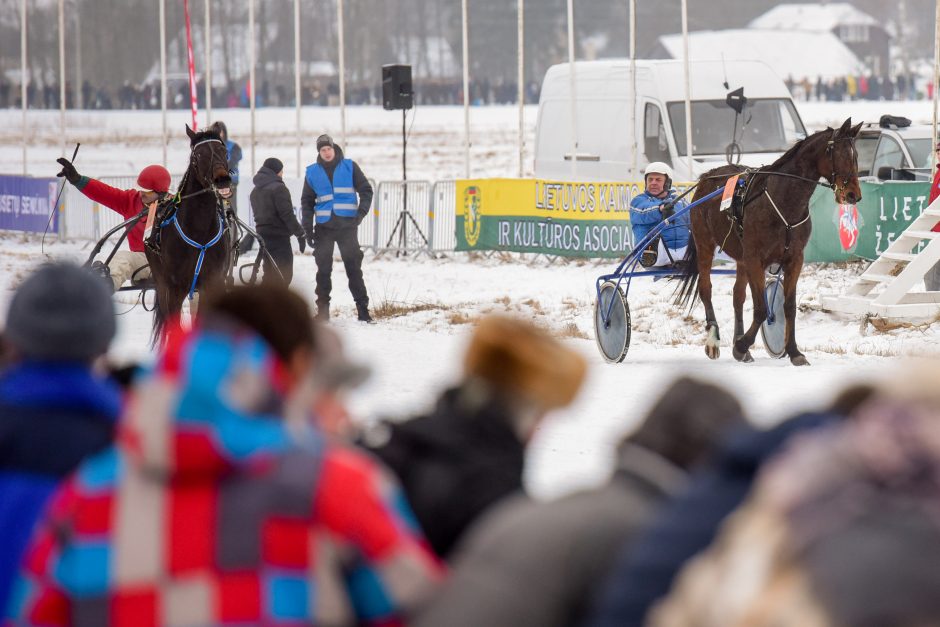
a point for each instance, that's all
(251, 75)
(163, 74)
(520, 80)
(466, 89)
(23, 78)
(936, 77)
(688, 86)
(633, 142)
(342, 72)
(79, 99)
(62, 76)
(208, 43)
(574, 109)
(297, 96)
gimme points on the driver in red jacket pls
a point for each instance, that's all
(932, 278)
(153, 184)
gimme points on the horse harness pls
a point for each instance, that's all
(168, 209)
(741, 198)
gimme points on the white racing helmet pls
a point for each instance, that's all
(658, 167)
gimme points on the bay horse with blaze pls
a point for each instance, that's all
(772, 228)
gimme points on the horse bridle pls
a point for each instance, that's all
(208, 183)
(835, 185)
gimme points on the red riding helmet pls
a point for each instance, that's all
(154, 178)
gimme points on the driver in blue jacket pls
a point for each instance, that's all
(659, 202)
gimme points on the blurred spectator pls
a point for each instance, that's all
(468, 453)
(55, 410)
(841, 530)
(333, 375)
(531, 563)
(219, 506)
(645, 571)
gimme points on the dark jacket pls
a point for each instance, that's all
(308, 198)
(645, 571)
(52, 416)
(272, 206)
(540, 563)
(454, 463)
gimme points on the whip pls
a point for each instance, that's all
(55, 205)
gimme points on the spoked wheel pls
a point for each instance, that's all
(774, 329)
(612, 336)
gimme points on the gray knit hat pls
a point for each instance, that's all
(61, 313)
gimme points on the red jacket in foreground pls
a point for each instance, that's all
(216, 510)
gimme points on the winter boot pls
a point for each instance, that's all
(323, 312)
(363, 311)
(650, 254)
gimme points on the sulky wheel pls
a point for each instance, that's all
(774, 329)
(613, 335)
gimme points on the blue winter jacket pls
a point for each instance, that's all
(645, 214)
(52, 416)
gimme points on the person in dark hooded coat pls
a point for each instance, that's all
(275, 219)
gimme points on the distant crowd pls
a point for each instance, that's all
(226, 483)
(862, 87)
(322, 92)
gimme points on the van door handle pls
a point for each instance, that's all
(582, 156)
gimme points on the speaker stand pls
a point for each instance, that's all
(401, 225)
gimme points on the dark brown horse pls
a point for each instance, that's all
(194, 246)
(776, 227)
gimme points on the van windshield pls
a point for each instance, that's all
(767, 125)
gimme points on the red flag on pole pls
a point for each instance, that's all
(193, 98)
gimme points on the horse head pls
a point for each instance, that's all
(209, 160)
(839, 163)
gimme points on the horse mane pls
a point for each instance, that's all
(795, 148)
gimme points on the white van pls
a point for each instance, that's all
(768, 125)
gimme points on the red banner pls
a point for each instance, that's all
(193, 97)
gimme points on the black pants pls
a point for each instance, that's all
(279, 248)
(348, 241)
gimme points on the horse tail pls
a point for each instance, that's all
(159, 321)
(687, 290)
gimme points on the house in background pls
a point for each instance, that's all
(860, 32)
(792, 54)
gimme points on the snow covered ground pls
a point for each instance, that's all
(417, 352)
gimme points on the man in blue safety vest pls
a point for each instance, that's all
(330, 193)
(657, 203)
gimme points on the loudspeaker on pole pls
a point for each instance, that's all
(397, 88)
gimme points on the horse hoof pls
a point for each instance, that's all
(799, 360)
(744, 357)
(712, 351)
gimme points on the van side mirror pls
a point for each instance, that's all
(884, 173)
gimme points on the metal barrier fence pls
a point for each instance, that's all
(427, 227)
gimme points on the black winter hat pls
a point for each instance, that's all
(61, 313)
(324, 140)
(274, 164)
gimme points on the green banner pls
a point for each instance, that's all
(886, 208)
(591, 219)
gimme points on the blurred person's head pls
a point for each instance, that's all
(687, 422)
(526, 369)
(332, 376)
(280, 316)
(60, 313)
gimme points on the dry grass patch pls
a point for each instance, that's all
(571, 330)
(393, 309)
(534, 304)
(459, 317)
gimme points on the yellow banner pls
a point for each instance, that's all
(537, 198)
